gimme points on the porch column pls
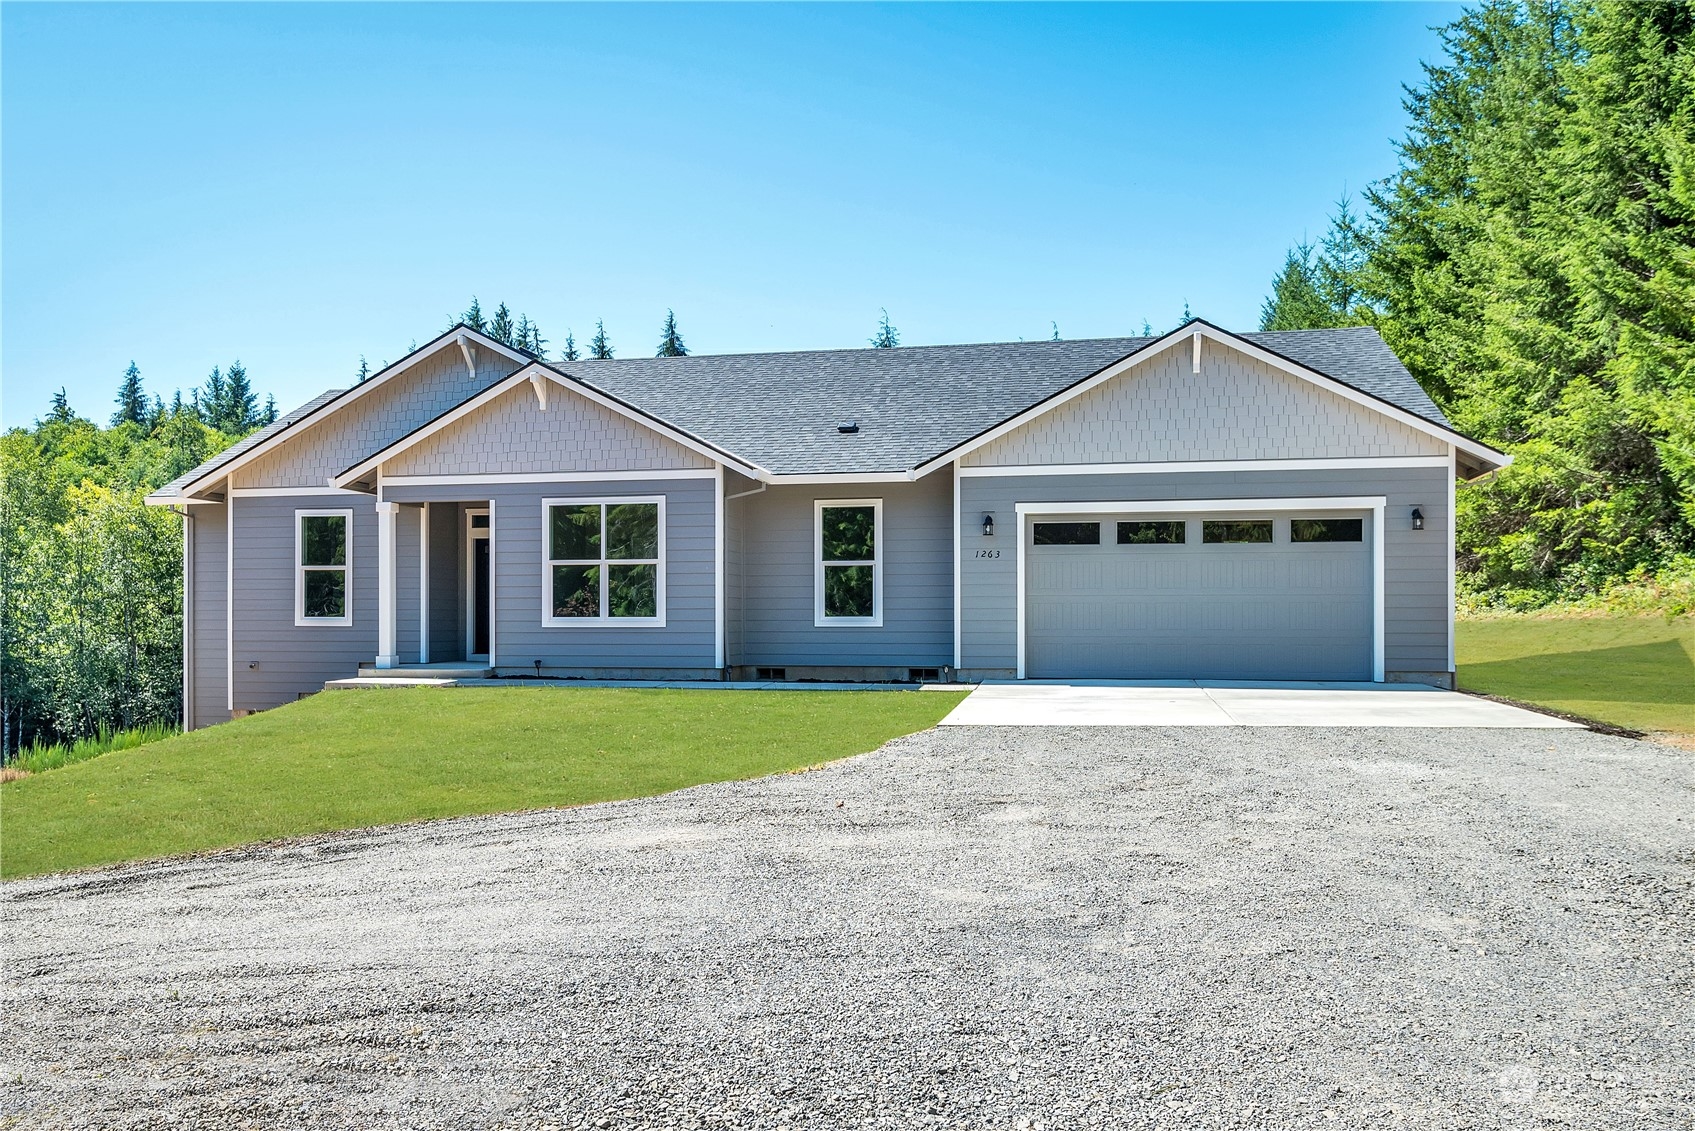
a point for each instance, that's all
(386, 602)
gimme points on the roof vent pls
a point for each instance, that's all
(848, 426)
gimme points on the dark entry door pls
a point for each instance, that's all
(479, 596)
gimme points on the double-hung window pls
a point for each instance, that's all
(323, 562)
(604, 561)
(848, 556)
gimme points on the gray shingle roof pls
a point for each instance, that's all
(780, 410)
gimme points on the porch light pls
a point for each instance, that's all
(1417, 519)
(988, 526)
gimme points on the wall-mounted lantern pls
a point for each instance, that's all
(1418, 518)
(988, 526)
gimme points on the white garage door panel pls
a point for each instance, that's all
(1198, 611)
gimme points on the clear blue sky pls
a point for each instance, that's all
(298, 185)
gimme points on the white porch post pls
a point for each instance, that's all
(386, 595)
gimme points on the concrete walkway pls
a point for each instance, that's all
(1224, 703)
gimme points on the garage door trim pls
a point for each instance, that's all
(1373, 503)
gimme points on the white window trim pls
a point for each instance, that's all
(548, 620)
(301, 620)
(819, 620)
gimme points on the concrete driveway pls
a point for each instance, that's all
(974, 927)
(1225, 703)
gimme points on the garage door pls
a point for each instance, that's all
(1238, 596)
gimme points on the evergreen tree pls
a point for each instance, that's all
(177, 406)
(671, 342)
(364, 370)
(131, 401)
(599, 347)
(500, 327)
(1147, 328)
(529, 337)
(268, 414)
(1295, 302)
(61, 412)
(1055, 337)
(212, 401)
(473, 316)
(569, 352)
(887, 337)
(240, 401)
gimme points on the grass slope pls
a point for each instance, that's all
(347, 759)
(1636, 672)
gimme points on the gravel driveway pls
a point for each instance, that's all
(969, 928)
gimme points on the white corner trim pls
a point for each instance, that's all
(1231, 341)
(1169, 467)
(1373, 503)
(301, 620)
(878, 564)
(605, 620)
(489, 478)
(719, 658)
(296, 492)
(958, 606)
(1453, 478)
(229, 603)
(349, 396)
(530, 374)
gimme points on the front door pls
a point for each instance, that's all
(478, 587)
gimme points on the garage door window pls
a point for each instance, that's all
(1231, 531)
(1326, 530)
(849, 579)
(1068, 533)
(1152, 533)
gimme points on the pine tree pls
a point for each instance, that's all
(569, 353)
(1147, 328)
(268, 414)
(671, 342)
(131, 401)
(473, 316)
(500, 327)
(364, 370)
(529, 337)
(61, 412)
(212, 401)
(599, 348)
(887, 336)
(240, 401)
(1055, 337)
(1295, 302)
(176, 404)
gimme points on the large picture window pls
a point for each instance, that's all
(323, 563)
(848, 551)
(604, 561)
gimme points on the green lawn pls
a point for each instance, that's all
(347, 759)
(1636, 672)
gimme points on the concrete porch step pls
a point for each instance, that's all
(447, 670)
(385, 681)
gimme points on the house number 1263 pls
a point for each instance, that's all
(988, 553)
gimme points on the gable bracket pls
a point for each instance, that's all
(1197, 365)
(469, 350)
(539, 384)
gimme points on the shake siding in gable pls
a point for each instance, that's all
(209, 682)
(514, 434)
(1236, 407)
(383, 415)
(294, 660)
(777, 565)
(1416, 610)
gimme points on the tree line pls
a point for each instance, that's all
(1531, 258)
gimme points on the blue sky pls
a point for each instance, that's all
(300, 185)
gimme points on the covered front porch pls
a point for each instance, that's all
(435, 586)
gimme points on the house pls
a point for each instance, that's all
(1201, 504)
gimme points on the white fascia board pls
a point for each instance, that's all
(471, 479)
(515, 380)
(1196, 506)
(1195, 330)
(179, 500)
(1185, 466)
(451, 338)
(843, 478)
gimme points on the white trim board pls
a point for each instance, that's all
(454, 337)
(516, 380)
(480, 479)
(718, 653)
(1373, 503)
(1168, 467)
(1198, 329)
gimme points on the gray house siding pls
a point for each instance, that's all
(209, 670)
(383, 415)
(1236, 407)
(288, 660)
(776, 575)
(686, 643)
(1416, 608)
